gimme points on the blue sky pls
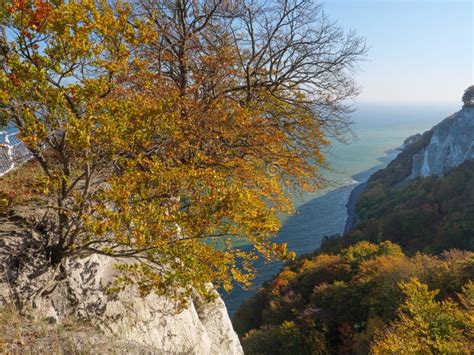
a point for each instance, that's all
(420, 50)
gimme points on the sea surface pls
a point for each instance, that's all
(379, 129)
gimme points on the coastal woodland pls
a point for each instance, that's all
(365, 298)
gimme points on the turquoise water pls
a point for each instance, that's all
(379, 128)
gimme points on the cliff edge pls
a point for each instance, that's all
(451, 144)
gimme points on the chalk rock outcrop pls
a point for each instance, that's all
(201, 328)
(77, 288)
(451, 144)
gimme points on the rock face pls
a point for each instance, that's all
(451, 144)
(79, 291)
(76, 289)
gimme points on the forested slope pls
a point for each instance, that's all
(399, 282)
(367, 297)
(426, 214)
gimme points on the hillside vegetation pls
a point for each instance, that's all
(426, 214)
(368, 297)
(400, 282)
(20, 334)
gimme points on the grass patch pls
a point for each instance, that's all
(21, 334)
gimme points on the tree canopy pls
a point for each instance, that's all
(367, 298)
(428, 326)
(468, 96)
(167, 130)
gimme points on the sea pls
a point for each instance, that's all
(379, 130)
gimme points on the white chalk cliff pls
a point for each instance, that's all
(156, 321)
(451, 144)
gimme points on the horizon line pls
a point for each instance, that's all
(389, 102)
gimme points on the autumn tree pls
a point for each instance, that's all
(167, 131)
(60, 61)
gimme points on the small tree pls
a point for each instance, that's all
(169, 130)
(468, 97)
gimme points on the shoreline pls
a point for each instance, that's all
(329, 214)
(352, 217)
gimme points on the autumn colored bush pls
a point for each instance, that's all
(284, 339)
(427, 326)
